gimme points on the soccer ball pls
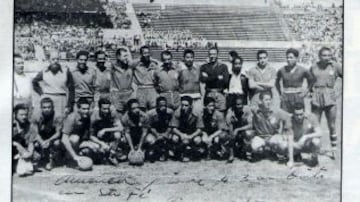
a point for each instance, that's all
(85, 163)
(136, 157)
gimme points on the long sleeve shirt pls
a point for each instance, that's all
(213, 71)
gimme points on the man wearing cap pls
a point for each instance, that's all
(292, 77)
(57, 84)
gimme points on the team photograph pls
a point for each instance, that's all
(155, 100)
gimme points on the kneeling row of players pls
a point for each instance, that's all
(107, 137)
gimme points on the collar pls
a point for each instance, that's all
(59, 70)
(262, 70)
(292, 70)
(324, 65)
(259, 110)
(163, 68)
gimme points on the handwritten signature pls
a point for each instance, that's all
(70, 179)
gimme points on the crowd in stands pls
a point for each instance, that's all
(319, 24)
(116, 10)
(146, 18)
(173, 39)
(308, 53)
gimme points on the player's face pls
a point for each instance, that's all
(213, 54)
(326, 56)
(135, 109)
(238, 105)
(263, 59)
(105, 109)
(100, 60)
(210, 108)
(298, 115)
(167, 59)
(291, 59)
(123, 57)
(54, 58)
(162, 106)
(19, 65)
(146, 54)
(82, 61)
(47, 108)
(237, 66)
(189, 59)
(84, 110)
(266, 101)
(185, 106)
(22, 115)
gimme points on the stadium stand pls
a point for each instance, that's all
(218, 22)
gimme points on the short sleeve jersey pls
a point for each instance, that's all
(325, 77)
(188, 125)
(213, 122)
(74, 124)
(24, 134)
(270, 123)
(306, 127)
(98, 123)
(240, 120)
(160, 122)
(128, 123)
(293, 78)
(46, 127)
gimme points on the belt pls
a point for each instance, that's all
(193, 95)
(292, 90)
(218, 90)
(146, 86)
(55, 94)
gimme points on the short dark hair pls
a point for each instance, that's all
(159, 99)
(131, 102)
(142, 48)
(187, 98)
(238, 58)
(99, 52)
(322, 49)
(233, 53)
(214, 48)
(208, 100)
(20, 106)
(261, 52)
(186, 51)
(119, 50)
(293, 51)
(82, 52)
(46, 100)
(103, 101)
(298, 106)
(263, 93)
(82, 101)
(165, 52)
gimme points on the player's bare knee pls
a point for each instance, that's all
(175, 139)
(216, 140)
(316, 142)
(74, 139)
(117, 135)
(197, 140)
(150, 139)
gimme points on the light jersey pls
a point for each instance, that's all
(306, 127)
(22, 86)
(235, 85)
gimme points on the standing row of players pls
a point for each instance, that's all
(107, 122)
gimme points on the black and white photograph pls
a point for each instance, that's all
(159, 100)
